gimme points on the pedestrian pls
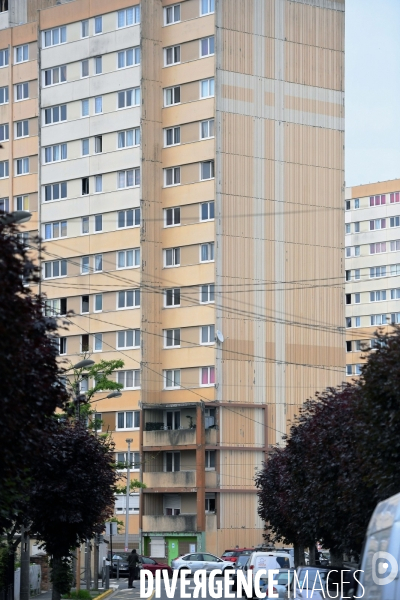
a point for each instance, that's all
(133, 564)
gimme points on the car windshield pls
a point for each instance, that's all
(282, 578)
(230, 553)
(242, 560)
(309, 578)
(121, 556)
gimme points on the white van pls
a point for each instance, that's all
(269, 560)
(381, 555)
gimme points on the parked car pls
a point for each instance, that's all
(146, 563)
(241, 562)
(120, 558)
(284, 580)
(270, 560)
(232, 555)
(150, 564)
(332, 586)
(200, 560)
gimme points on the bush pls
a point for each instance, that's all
(79, 595)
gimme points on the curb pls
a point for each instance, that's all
(105, 594)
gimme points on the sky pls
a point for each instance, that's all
(372, 91)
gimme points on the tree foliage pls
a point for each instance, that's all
(30, 386)
(341, 458)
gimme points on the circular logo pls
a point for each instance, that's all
(384, 568)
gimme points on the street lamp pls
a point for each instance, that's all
(128, 474)
(17, 217)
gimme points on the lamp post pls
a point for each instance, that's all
(128, 474)
(17, 217)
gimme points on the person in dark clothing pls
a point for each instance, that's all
(133, 563)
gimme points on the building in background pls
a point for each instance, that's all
(372, 266)
(189, 184)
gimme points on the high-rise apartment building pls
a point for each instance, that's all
(372, 266)
(190, 198)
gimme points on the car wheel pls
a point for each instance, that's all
(183, 569)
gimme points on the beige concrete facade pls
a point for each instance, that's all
(190, 183)
(372, 266)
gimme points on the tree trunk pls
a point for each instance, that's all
(56, 566)
(25, 589)
(302, 560)
(61, 576)
(311, 552)
(96, 563)
(336, 558)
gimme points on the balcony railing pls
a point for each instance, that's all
(170, 480)
(169, 524)
(169, 437)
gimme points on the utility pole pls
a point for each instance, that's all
(25, 590)
(88, 578)
(128, 475)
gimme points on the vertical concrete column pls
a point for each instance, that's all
(200, 469)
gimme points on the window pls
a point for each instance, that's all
(98, 144)
(85, 68)
(129, 218)
(21, 54)
(129, 98)
(4, 205)
(207, 7)
(172, 297)
(172, 216)
(128, 339)
(128, 420)
(377, 248)
(377, 200)
(3, 169)
(22, 165)
(56, 153)
(134, 460)
(98, 302)
(98, 262)
(207, 129)
(85, 147)
(207, 88)
(98, 184)
(348, 275)
(85, 265)
(394, 221)
(357, 298)
(207, 170)
(128, 16)
(85, 28)
(84, 304)
(377, 296)
(55, 307)
(84, 384)
(85, 108)
(129, 178)
(4, 57)
(98, 25)
(210, 503)
(395, 294)
(98, 223)
(53, 37)
(172, 379)
(357, 274)
(394, 245)
(358, 369)
(207, 252)
(56, 114)
(357, 227)
(172, 337)
(378, 319)
(128, 58)
(55, 230)
(207, 211)
(207, 334)
(4, 132)
(348, 347)
(4, 95)
(395, 197)
(347, 228)
(207, 376)
(128, 138)
(85, 225)
(56, 191)
(85, 186)
(172, 257)
(22, 203)
(172, 462)
(172, 55)
(98, 65)
(394, 320)
(357, 203)
(349, 369)
(55, 268)
(172, 95)
(210, 459)
(62, 345)
(348, 321)
(172, 176)
(207, 46)
(129, 299)
(128, 258)
(55, 76)
(358, 347)
(207, 293)
(394, 270)
(172, 14)
(21, 129)
(98, 105)
(377, 272)
(172, 136)
(377, 224)
(22, 91)
(129, 379)
(97, 422)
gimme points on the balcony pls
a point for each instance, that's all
(179, 479)
(169, 524)
(211, 437)
(170, 437)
